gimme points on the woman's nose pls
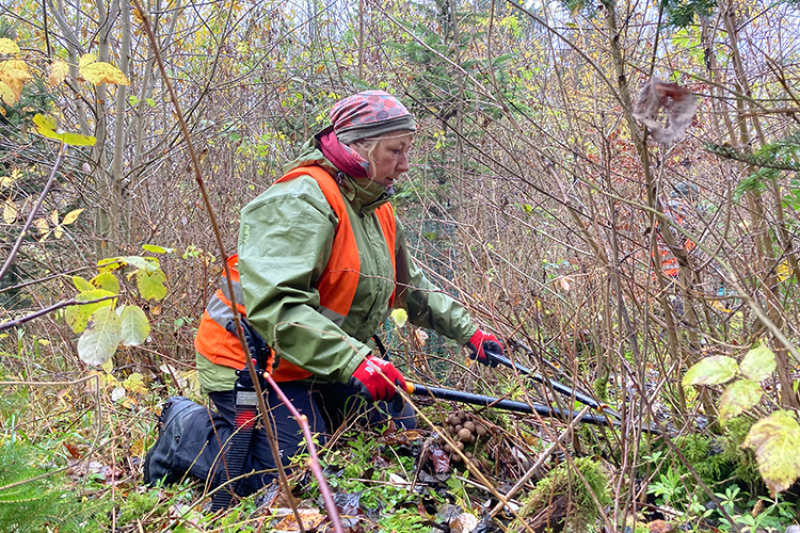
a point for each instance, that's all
(402, 165)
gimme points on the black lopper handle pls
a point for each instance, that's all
(558, 387)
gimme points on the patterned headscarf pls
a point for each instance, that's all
(369, 114)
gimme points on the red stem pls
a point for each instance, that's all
(324, 490)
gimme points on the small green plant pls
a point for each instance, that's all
(139, 504)
(104, 326)
(352, 470)
(404, 521)
(775, 438)
(776, 515)
(669, 488)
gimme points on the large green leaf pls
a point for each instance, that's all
(135, 327)
(759, 363)
(151, 286)
(148, 264)
(81, 284)
(157, 249)
(101, 337)
(77, 316)
(713, 370)
(107, 281)
(776, 441)
(738, 397)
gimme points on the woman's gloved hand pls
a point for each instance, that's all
(371, 384)
(481, 343)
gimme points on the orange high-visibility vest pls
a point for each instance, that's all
(336, 285)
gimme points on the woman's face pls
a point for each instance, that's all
(390, 158)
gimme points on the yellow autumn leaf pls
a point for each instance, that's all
(41, 225)
(7, 94)
(15, 64)
(58, 72)
(87, 60)
(7, 46)
(71, 217)
(58, 232)
(784, 271)
(716, 304)
(46, 126)
(15, 79)
(54, 217)
(6, 181)
(76, 139)
(44, 122)
(14, 73)
(10, 211)
(400, 317)
(98, 72)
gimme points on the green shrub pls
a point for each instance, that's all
(30, 500)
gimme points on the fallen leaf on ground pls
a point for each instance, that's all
(440, 461)
(311, 518)
(660, 526)
(463, 523)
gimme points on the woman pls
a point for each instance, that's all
(322, 259)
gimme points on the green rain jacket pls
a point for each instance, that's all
(285, 240)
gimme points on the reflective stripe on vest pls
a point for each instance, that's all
(336, 285)
(214, 341)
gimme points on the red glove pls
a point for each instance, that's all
(481, 343)
(371, 384)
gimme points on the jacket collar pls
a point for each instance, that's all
(363, 194)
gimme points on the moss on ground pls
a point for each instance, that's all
(564, 482)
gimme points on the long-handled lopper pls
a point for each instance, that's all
(509, 405)
(555, 385)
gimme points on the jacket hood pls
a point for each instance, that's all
(363, 194)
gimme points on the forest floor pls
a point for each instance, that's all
(71, 454)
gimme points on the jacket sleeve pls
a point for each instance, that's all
(427, 305)
(285, 241)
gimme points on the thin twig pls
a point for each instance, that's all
(44, 279)
(41, 312)
(324, 490)
(10, 259)
(540, 461)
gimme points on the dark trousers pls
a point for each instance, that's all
(326, 407)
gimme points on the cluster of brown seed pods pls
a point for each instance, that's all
(464, 432)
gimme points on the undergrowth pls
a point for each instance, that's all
(581, 495)
(35, 499)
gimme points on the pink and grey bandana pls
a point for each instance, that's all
(342, 156)
(369, 114)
